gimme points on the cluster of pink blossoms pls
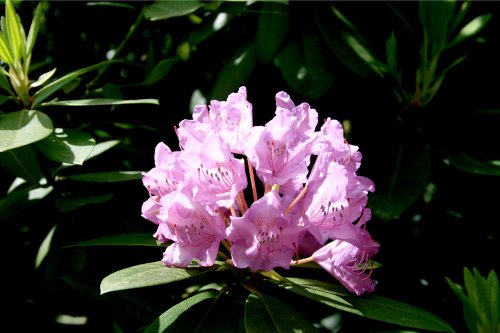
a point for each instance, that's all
(308, 209)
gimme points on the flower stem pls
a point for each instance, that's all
(301, 261)
(252, 180)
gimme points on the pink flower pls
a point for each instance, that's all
(347, 262)
(263, 238)
(196, 231)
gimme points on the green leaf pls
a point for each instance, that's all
(4, 82)
(305, 68)
(67, 146)
(21, 128)
(179, 318)
(102, 147)
(18, 200)
(107, 177)
(469, 164)
(470, 29)
(101, 101)
(135, 239)
(4, 99)
(22, 162)
(272, 28)
(435, 18)
(43, 78)
(166, 9)
(147, 275)
(224, 306)
(111, 4)
(14, 31)
(369, 306)
(35, 26)
(235, 72)
(160, 70)
(391, 50)
(44, 248)
(5, 52)
(265, 313)
(68, 204)
(403, 181)
(54, 86)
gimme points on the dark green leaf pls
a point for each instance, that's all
(107, 177)
(21, 128)
(54, 86)
(179, 318)
(160, 70)
(469, 164)
(67, 146)
(166, 9)
(4, 82)
(265, 313)
(136, 239)
(235, 72)
(111, 4)
(22, 162)
(403, 181)
(370, 306)
(20, 199)
(305, 68)
(272, 28)
(4, 99)
(222, 307)
(68, 204)
(33, 32)
(435, 17)
(101, 101)
(147, 275)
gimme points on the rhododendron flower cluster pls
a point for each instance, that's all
(310, 205)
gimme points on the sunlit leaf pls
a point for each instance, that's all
(33, 32)
(147, 275)
(22, 162)
(135, 239)
(471, 29)
(265, 313)
(235, 72)
(101, 101)
(369, 306)
(166, 9)
(21, 128)
(5, 52)
(469, 164)
(13, 27)
(180, 317)
(67, 146)
(43, 78)
(272, 28)
(107, 177)
(18, 200)
(68, 204)
(44, 248)
(102, 147)
(54, 86)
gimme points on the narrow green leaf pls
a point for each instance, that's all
(68, 204)
(4, 82)
(272, 28)
(13, 28)
(265, 313)
(369, 306)
(102, 147)
(43, 78)
(67, 146)
(4, 99)
(107, 177)
(44, 248)
(363, 52)
(235, 72)
(435, 18)
(101, 101)
(469, 164)
(33, 32)
(54, 86)
(22, 162)
(166, 9)
(111, 4)
(471, 29)
(135, 239)
(147, 275)
(21, 128)
(179, 316)
(160, 70)
(5, 53)
(391, 50)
